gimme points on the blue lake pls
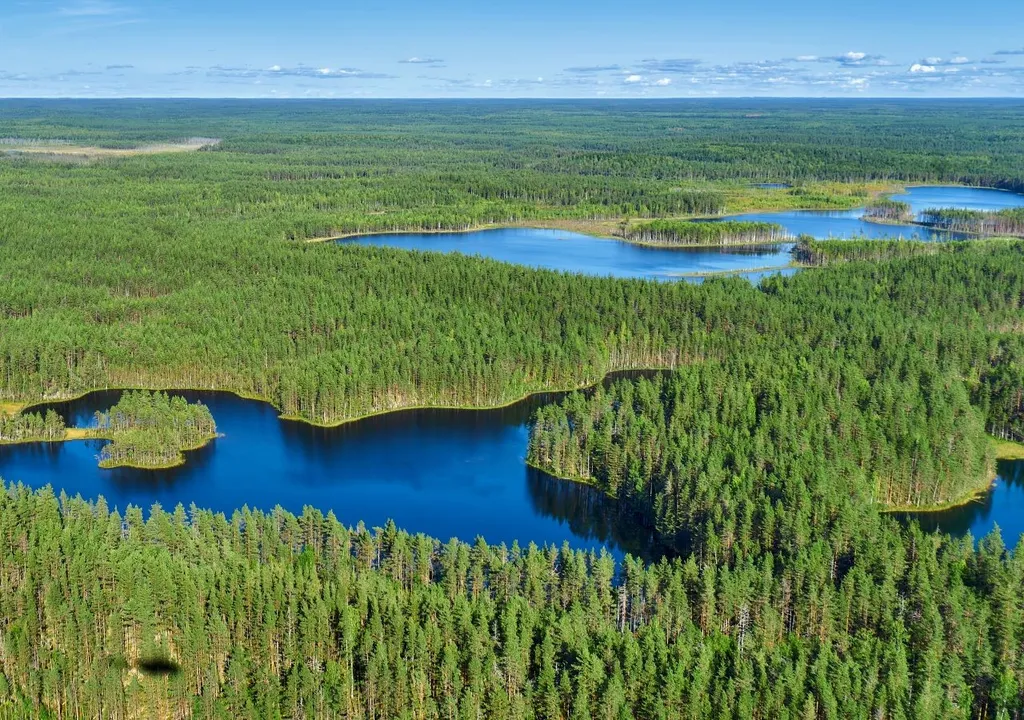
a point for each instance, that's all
(446, 473)
(848, 223)
(1001, 507)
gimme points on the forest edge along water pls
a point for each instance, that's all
(444, 472)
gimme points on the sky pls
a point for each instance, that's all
(522, 48)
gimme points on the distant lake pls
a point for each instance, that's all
(824, 224)
(573, 252)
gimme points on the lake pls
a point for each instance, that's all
(573, 252)
(446, 473)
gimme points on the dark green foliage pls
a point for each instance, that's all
(193, 614)
(152, 429)
(690, 233)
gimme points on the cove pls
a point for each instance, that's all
(445, 473)
(1000, 507)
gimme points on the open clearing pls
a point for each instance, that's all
(57, 149)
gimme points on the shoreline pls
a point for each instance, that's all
(182, 459)
(1002, 450)
(586, 385)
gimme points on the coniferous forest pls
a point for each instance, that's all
(793, 420)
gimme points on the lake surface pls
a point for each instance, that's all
(848, 223)
(573, 252)
(446, 473)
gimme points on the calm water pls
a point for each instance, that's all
(572, 252)
(1001, 507)
(446, 473)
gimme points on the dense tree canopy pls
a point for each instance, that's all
(792, 412)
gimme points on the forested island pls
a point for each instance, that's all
(152, 430)
(888, 210)
(685, 233)
(145, 429)
(791, 416)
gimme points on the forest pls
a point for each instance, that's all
(29, 426)
(792, 415)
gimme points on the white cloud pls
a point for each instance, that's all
(664, 81)
(806, 58)
(634, 79)
(854, 56)
(421, 61)
(275, 68)
(919, 68)
(959, 60)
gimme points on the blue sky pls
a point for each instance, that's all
(529, 48)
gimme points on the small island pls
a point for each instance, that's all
(148, 430)
(886, 210)
(152, 430)
(689, 233)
